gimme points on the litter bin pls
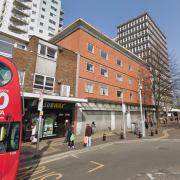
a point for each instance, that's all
(133, 127)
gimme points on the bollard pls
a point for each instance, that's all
(121, 135)
(104, 137)
(152, 133)
(156, 131)
(140, 135)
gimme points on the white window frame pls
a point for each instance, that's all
(121, 93)
(89, 49)
(21, 75)
(106, 74)
(44, 83)
(89, 87)
(121, 64)
(130, 81)
(102, 51)
(130, 67)
(46, 51)
(92, 67)
(119, 78)
(103, 90)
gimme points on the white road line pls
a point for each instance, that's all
(150, 176)
(98, 167)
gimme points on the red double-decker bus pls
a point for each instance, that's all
(10, 120)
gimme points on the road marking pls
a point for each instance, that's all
(75, 156)
(150, 176)
(99, 166)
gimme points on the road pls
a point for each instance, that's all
(131, 160)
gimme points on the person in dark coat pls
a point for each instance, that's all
(69, 133)
(88, 133)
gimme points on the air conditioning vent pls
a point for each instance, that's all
(65, 90)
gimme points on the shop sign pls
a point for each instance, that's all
(57, 105)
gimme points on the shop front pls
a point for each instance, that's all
(56, 110)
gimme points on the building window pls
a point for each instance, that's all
(55, 2)
(89, 88)
(43, 82)
(119, 77)
(44, 2)
(34, 5)
(130, 81)
(32, 20)
(51, 29)
(47, 51)
(130, 68)
(31, 28)
(104, 54)
(33, 12)
(119, 62)
(53, 8)
(131, 96)
(119, 93)
(42, 16)
(50, 35)
(90, 48)
(103, 91)
(104, 72)
(43, 9)
(21, 77)
(52, 22)
(89, 67)
(40, 30)
(41, 23)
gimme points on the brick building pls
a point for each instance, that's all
(45, 73)
(83, 76)
(107, 74)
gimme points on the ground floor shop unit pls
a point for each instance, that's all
(109, 116)
(56, 111)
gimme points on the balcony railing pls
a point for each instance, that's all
(23, 3)
(19, 19)
(21, 11)
(18, 29)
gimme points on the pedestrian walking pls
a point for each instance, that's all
(33, 134)
(69, 133)
(72, 139)
(67, 127)
(88, 133)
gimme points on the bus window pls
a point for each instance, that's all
(3, 132)
(14, 137)
(5, 74)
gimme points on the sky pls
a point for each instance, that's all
(106, 15)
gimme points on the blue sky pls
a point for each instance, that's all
(105, 15)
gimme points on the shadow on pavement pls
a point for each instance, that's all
(26, 172)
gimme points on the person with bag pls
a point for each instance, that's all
(88, 134)
(33, 134)
(72, 139)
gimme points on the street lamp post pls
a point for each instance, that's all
(40, 108)
(142, 124)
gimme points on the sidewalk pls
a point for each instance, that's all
(56, 145)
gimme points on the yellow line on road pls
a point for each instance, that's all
(98, 167)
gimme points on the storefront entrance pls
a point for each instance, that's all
(54, 116)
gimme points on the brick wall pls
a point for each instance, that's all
(26, 61)
(66, 70)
